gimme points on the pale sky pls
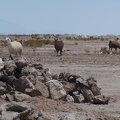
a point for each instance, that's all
(82, 17)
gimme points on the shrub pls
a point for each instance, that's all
(76, 43)
(36, 43)
(104, 50)
(3, 43)
(87, 51)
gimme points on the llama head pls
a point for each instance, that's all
(8, 39)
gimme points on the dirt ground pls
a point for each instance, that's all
(81, 58)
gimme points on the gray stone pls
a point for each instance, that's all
(22, 84)
(70, 99)
(15, 111)
(1, 75)
(42, 88)
(69, 117)
(20, 63)
(93, 86)
(101, 99)
(56, 89)
(88, 95)
(10, 67)
(3, 88)
(1, 64)
(79, 98)
(37, 66)
(28, 71)
(19, 97)
(69, 87)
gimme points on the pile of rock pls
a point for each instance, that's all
(19, 81)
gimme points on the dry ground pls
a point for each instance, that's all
(105, 68)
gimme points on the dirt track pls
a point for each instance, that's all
(105, 68)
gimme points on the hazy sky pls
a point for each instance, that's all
(83, 17)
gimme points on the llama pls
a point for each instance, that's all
(14, 47)
(58, 44)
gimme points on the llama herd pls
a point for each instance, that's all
(16, 47)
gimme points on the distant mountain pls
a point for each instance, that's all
(7, 27)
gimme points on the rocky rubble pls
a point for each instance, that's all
(19, 81)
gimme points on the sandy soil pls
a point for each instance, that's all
(105, 68)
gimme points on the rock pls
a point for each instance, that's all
(101, 99)
(41, 79)
(37, 66)
(10, 96)
(32, 79)
(11, 79)
(1, 64)
(10, 67)
(46, 77)
(88, 95)
(44, 116)
(28, 71)
(3, 88)
(55, 77)
(19, 97)
(64, 76)
(1, 75)
(2, 84)
(16, 96)
(95, 90)
(32, 92)
(69, 117)
(69, 99)
(15, 111)
(20, 63)
(56, 89)
(79, 98)
(91, 81)
(81, 82)
(93, 86)
(47, 74)
(72, 78)
(61, 76)
(69, 87)
(22, 84)
(42, 88)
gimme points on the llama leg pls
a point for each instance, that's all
(60, 52)
(57, 52)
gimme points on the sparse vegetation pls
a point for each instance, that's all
(104, 50)
(36, 43)
(87, 51)
(2, 43)
(76, 43)
(85, 38)
(115, 52)
(31, 43)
